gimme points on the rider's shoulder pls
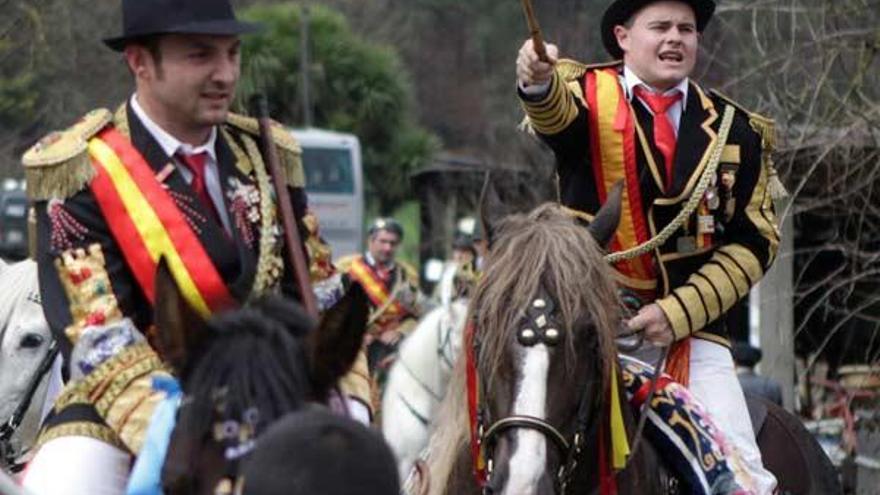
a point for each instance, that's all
(289, 149)
(571, 70)
(58, 165)
(344, 263)
(761, 124)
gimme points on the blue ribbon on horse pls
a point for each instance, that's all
(146, 476)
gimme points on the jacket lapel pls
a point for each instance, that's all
(696, 137)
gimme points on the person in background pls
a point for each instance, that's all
(396, 304)
(746, 358)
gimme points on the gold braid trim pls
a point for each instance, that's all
(88, 429)
(110, 377)
(270, 266)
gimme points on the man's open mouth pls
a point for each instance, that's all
(671, 57)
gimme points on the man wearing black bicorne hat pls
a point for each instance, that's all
(170, 174)
(676, 147)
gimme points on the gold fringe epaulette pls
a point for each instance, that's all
(766, 128)
(572, 70)
(289, 150)
(344, 263)
(58, 166)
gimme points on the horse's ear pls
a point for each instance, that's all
(492, 209)
(605, 222)
(179, 328)
(335, 344)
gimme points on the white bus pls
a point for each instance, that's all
(335, 186)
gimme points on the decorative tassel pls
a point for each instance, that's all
(59, 181)
(777, 188)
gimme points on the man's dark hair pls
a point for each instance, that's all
(316, 451)
(152, 44)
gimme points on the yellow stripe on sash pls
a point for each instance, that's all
(611, 146)
(147, 223)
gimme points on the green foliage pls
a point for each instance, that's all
(355, 86)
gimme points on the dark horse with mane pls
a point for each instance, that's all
(242, 370)
(544, 318)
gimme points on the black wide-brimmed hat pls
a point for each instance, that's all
(621, 10)
(142, 18)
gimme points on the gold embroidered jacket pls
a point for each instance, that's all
(726, 246)
(115, 401)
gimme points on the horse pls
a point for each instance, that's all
(544, 318)
(236, 373)
(523, 411)
(30, 371)
(419, 376)
(242, 370)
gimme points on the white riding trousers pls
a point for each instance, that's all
(713, 382)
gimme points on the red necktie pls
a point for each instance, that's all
(196, 164)
(664, 134)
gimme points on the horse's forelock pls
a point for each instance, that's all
(544, 248)
(257, 361)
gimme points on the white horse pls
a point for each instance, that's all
(30, 370)
(417, 380)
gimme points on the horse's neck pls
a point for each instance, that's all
(419, 354)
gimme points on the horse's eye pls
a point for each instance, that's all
(31, 341)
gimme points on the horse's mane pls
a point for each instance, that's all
(18, 284)
(549, 247)
(256, 357)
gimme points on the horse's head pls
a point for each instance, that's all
(25, 341)
(544, 317)
(243, 369)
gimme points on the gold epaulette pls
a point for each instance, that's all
(58, 166)
(289, 150)
(766, 128)
(572, 70)
(344, 263)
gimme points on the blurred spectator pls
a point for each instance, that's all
(746, 357)
(318, 452)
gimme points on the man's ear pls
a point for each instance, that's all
(180, 330)
(333, 347)
(622, 35)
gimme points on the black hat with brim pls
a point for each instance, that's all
(620, 11)
(144, 18)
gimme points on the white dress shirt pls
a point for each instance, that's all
(629, 80)
(172, 146)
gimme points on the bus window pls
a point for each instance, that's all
(328, 170)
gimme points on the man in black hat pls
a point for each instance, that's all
(696, 168)
(171, 174)
(746, 358)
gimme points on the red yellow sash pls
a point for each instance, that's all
(148, 226)
(375, 288)
(613, 152)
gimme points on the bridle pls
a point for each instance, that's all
(8, 454)
(570, 450)
(547, 333)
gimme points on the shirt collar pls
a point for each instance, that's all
(631, 80)
(170, 144)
